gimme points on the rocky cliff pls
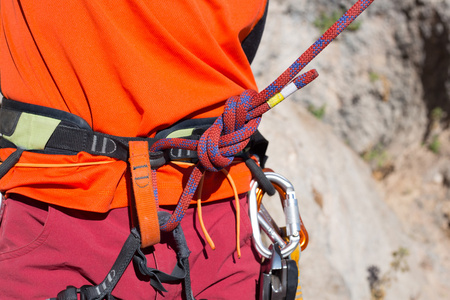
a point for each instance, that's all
(366, 145)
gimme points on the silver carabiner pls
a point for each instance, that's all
(260, 219)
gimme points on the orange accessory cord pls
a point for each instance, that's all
(72, 180)
(238, 213)
(144, 198)
(200, 215)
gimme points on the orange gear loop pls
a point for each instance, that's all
(145, 200)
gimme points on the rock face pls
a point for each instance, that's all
(372, 172)
(338, 202)
(378, 82)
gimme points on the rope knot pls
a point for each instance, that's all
(230, 133)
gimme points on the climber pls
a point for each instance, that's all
(122, 69)
(114, 118)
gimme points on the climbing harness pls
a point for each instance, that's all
(215, 148)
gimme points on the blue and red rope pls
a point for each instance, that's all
(231, 132)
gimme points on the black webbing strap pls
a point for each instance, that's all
(104, 289)
(181, 271)
(259, 176)
(71, 136)
(131, 250)
(74, 140)
(12, 159)
(77, 140)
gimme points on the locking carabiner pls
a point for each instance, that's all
(261, 219)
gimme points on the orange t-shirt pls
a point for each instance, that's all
(129, 68)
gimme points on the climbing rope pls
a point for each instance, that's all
(231, 132)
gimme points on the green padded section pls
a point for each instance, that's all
(33, 131)
(180, 133)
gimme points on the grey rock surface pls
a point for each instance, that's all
(351, 227)
(379, 85)
(378, 82)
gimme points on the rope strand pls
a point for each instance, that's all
(231, 131)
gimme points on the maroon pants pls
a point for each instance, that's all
(44, 249)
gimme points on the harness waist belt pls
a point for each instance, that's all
(51, 131)
(73, 162)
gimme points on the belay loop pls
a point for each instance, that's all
(231, 131)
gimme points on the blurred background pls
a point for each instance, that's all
(366, 145)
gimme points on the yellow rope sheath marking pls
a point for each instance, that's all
(276, 99)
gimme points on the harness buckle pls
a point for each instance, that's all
(295, 232)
